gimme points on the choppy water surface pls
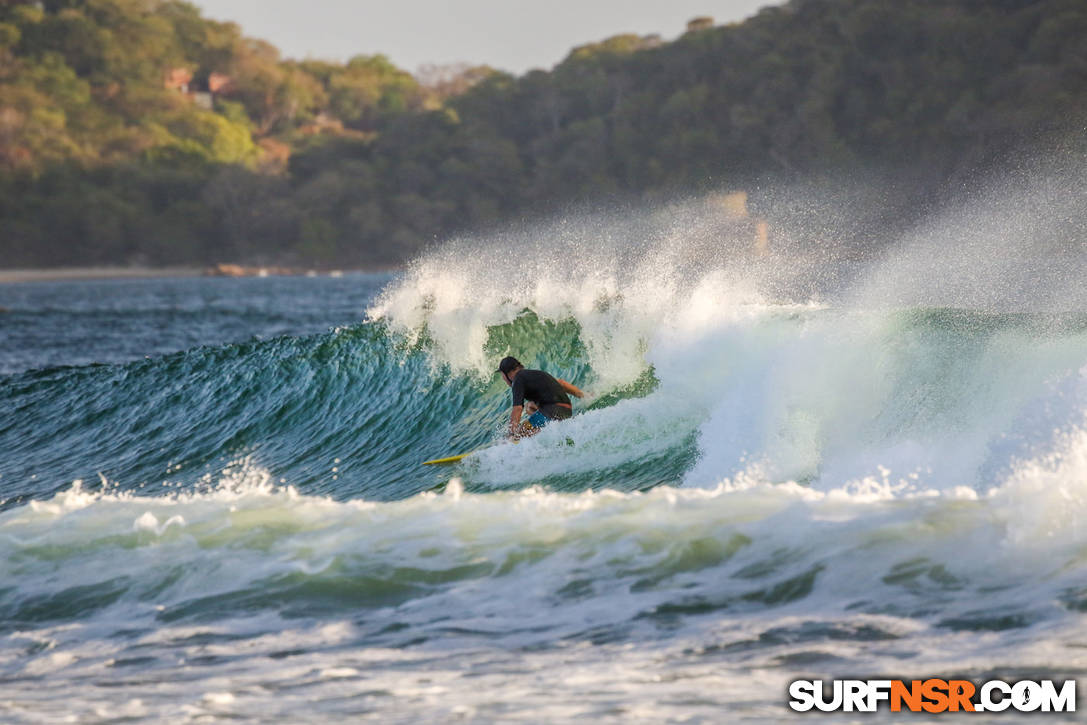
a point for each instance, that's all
(214, 508)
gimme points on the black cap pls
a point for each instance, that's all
(509, 364)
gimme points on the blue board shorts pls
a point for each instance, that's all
(538, 420)
(548, 413)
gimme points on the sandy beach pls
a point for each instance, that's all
(59, 274)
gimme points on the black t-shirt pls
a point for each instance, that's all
(539, 387)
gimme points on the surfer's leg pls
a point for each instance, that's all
(532, 425)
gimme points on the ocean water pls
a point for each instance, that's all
(214, 508)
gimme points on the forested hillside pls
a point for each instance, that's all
(138, 131)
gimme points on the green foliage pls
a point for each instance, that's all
(9, 36)
(318, 163)
(233, 111)
(369, 90)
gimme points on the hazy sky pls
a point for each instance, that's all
(513, 35)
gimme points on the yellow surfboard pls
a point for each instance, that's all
(526, 426)
(450, 459)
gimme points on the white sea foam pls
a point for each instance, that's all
(749, 579)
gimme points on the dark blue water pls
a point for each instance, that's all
(47, 324)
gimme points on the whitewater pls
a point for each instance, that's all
(802, 464)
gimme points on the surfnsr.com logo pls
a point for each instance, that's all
(933, 696)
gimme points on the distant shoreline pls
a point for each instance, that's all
(75, 274)
(64, 274)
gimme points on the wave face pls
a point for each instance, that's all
(784, 471)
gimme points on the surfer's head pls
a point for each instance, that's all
(509, 367)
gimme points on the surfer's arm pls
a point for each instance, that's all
(515, 421)
(571, 389)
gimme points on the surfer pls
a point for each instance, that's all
(543, 397)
